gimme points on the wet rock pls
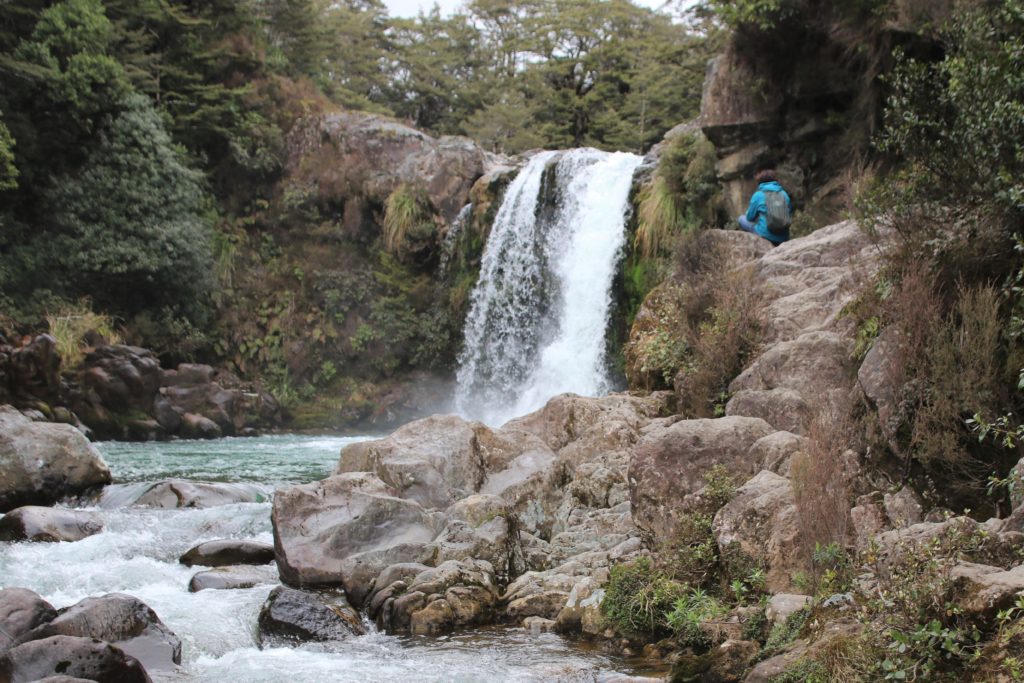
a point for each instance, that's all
(670, 462)
(42, 462)
(86, 658)
(289, 616)
(346, 529)
(761, 521)
(582, 610)
(121, 620)
(21, 610)
(182, 493)
(451, 595)
(199, 427)
(229, 577)
(537, 625)
(228, 551)
(547, 604)
(34, 523)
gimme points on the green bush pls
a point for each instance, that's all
(639, 598)
(688, 614)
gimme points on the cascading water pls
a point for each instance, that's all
(539, 312)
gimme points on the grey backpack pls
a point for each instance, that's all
(778, 216)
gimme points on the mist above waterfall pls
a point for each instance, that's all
(539, 312)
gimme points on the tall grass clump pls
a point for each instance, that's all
(404, 212)
(70, 326)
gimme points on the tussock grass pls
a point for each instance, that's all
(402, 212)
(70, 325)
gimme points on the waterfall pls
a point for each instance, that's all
(539, 312)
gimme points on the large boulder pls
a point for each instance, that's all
(31, 371)
(345, 530)
(121, 620)
(481, 527)
(35, 523)
(670, 462)
(40, 462)
(21, 610)
(761, 522)
(289, 616)
(228, 551)
(86, 658)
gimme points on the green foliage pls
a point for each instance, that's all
(761, 14)
(406, 216)
(688, 614)
(804, 671)
(972, 100)
(639, 598)
(785, 633)
(8, 171)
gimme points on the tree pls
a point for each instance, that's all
(128, 227)
(8, 171)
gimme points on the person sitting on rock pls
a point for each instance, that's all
(770, 212)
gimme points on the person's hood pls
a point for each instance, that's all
(770, 186)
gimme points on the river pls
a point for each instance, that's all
(137, 553)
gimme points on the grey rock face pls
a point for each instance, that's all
(42, 462)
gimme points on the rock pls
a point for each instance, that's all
(451, 595)
(228, 551)
(537, 625)
(21, 610)
(62, 679)
(365, 155)
(902, 508)
(183, 493)
(762, 521)
(435, 461)
(31, 371)
(996, 546)
(582, 610)
(199, 427)
(547, 604)
(725, 663)
(86, 658)
(670, 461)
(775, 451)
(839, 631)
(481, 527)
(290, 616)
(784, 409)
(42, 462)
(983, 590)
(781, 605)
(879, 379)
(230, 577)
(120, 620)
(34, 523)
(346, 529)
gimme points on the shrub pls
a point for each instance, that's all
(639, 598)
(407, 219)
(689, 616)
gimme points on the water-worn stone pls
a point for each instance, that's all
(121, 620)
(182, 493)
(42, 462)
(21, 610)
(86, 658)
(761, 520)
(289, 616)
(481, 527)
(669, 464)
(228, 551)
(34, 523)
(346, 529)
(230, 577)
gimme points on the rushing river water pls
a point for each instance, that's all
(137, 553)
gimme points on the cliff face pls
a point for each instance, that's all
(804, 96)
(334, 286)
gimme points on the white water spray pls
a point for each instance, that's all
(539, 313)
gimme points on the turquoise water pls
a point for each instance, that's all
(271, 460)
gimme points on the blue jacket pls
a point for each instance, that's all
(758, 210)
